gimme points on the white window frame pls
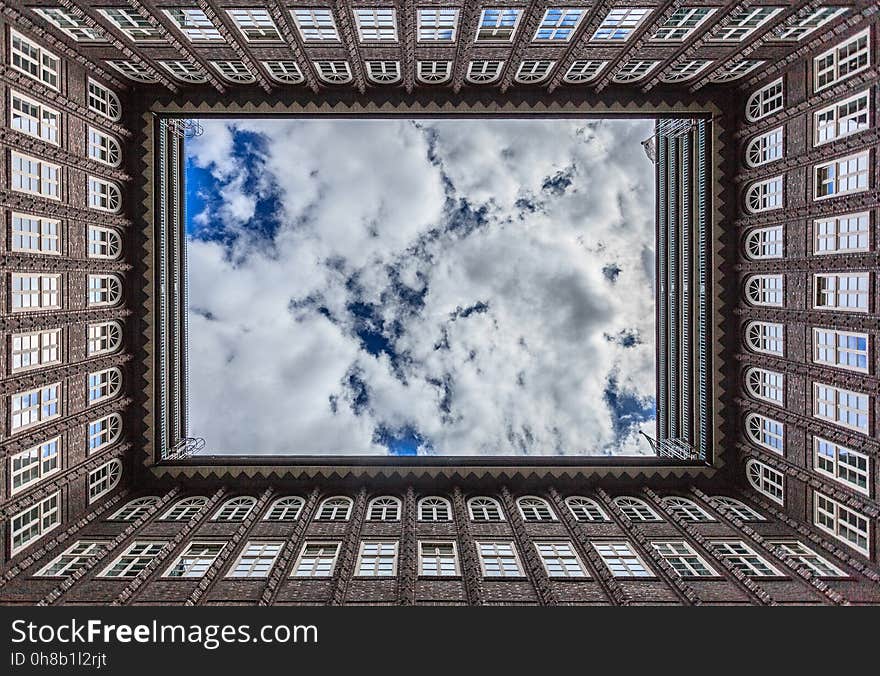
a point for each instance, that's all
(736, 70)
(842, 411)
(185, 71)
(103, 101)
(287, 508)
(766, 432)
(818, 565)
(851, 530)
(256, 559)
(766, 337)
(636, 509)
(38, 348)
(766, 195)
(833, 347)
(34, 60)
(842, 61)
(435, 22)
(44, 233)
(432, 506)
(767, 100)
(27, 171)
(194, 24)
(584, 70)
(383, 72)
(843, 118)
(634, 70)
(376, 24)
(316, 559)
(739, 508)
(587, 507)
(441, 559)
(72, 25)
(45, 290)
(556, 25)
(133, 70)
(185, 509)
(743, 23)
(104, 243)
(135, 27)
(103, 385)
(255, 24)
(842, 291)
(34, 522)
(620, 23)
(384, 508)
(195, 560)
(621, 559)
(765, 243)
(315, 24)
(743, 558)
(286, 71)
(533, 71)
(234, 70)
(31, 466)
(73, 558)
(535, 509)
(134, 509)
(103, 432)
(103, 147)
(765, 290)
(104, 290)
(688, 562)
(33, 407)
(495, 22)
(430, 72)
(235, 509)
(104, 479)
(686, 509)
(484, 71)
(333, 71)
(844, 465)
(799, 28)
(766, 148)
(680, 25)
(500, 551)
(766, 385)
(557, 557)
(373, 564)
(486, 505)
(135, 558)
(682, 71)
(834, 234)
(766, 480)
(336, 504)
(842, 176)
(44, 123)
(104, 195)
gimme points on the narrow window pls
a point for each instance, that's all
(383, 72)
(766, 385)
(134, 70)
(104, 148)
(766, 101)
(766, 480)
(683, 22)
(185, 71)
(103, 101)
(764, 243)
(631, 71)
(104, 290)
(582, 71)
(685, 509)
(535, 509)
(483, 71)
(334, 72)
(104, 195)
(766, 337)
(234, 71)
(104, 479)
(434, 72)
(765, 290)
(287, 72)
(104, 432)
(104, 385)
(765, 195)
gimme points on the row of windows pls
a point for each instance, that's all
(843, 291)
(832, 404)
(37, 176)
(841, 176)
(430, 509)
(846, 233)
(38, 349)
(436, 558)
(42, 404)
(440, 25)
(838, 520)
(844, 465)
(32, 465)
(34, 291)
(40, 234)
(831, 347)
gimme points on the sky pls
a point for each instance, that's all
(421, 287)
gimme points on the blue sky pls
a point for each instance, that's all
(456, 287)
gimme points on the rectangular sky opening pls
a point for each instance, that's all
(454, 287)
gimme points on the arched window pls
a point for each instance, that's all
(636, 509)
(685, 509)
(185, 509)
(765, 195)
(583, 71)
(685, 70)
(766, 101)
(585, 509)
(185, 71)
(104, 338)
(735, 70)
(104, 385)
(134, 70)
(103, 101)
(333, 72)
(104, 290)
(104, 148)
(741, 510)
(287, 72)
(104, 243)
(235, 509)
(485, 509)
(134, 509)
(234, 71)
(434, 508)
(483, 72)
(530, 72)
(285, 509)
(766, 385)
(766, 337)
(384, 508)
(764, 290)
(535, 509)
(763, 243)
(104, 195)
(383, 72)
(766, 480)
(632, 71)
(334, 509)
(766, 432)
(765, 148)
(434, 72)
(104, 479)
(104, 431)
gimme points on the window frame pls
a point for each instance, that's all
(767, 480)
(835, 223)
(834, 516)
(791, 546)
(841, 353)
(447, 508)
(302, 552)
(616, 553)
(592, 503)
(756, 429)
(739, 508)
(764, 337)
(285, 509)
(836, 473)
(39, 464)
(137, 507)
(499, 25)
(44, 512)
(840, 392)
(682, 558)
(380, 557)
(235, 509)
(201, 562)
(830, 175)
(572, 553)
(42, 67)
(629, 504)
(338, 498)
(75, 560)
(823, 289)
(838, 119)
(111, 426)
(49, 343)
(766, 148)
(621, 27)
(766, 100)
(834, 65)
(502, 574)
(388, 500)
(258, 557)
(40, 417)
(154, 549)
(43, 112)
(724, 550)
(49, 176)
(487, 500)
(455, 559)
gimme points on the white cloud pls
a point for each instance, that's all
(366, 217)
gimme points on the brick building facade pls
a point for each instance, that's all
(89, 95)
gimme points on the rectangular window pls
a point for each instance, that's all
(256, 559)
(35, 349)
(35, 407)
(841, 119)
(316, 559)
(195, 559)
(73, 558)
(35, 292)
(130, 22)
(36, 176)
(103, 101)
(841, 522)
(499, 559)
(30, 466)
(683, 559)
(798, 29)
(315, 25)
(377, 559)
(560, 559)
(621, 560)
(35, 234)
(437, 25)
(841, 407)
(376, 25)
(619, 24)
(841, 291)
(133, 560)
(34, 522)
(682, 23)
(558, 25)
(743, 23)
(743, 558)
(803, 554)
(194, 24)
(498, 25)
(842, 464)
(31, 59)
(104, 479)
(841, 177)
(842, 234)
(255, 24)
(438, 559)
(841, 349)
(35, 119)
(842, 61)
(72, 25)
